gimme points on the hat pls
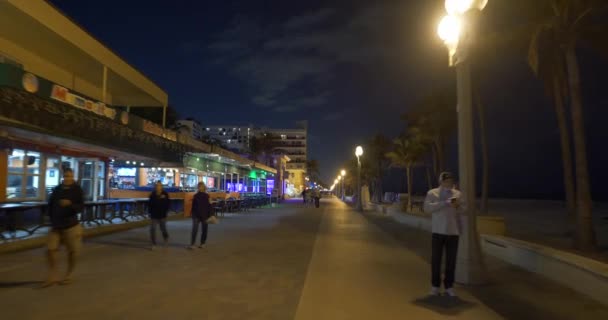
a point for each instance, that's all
(445, 176)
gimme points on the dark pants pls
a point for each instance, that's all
(450, 243)
(163, 229)
(195, 222)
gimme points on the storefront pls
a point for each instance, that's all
(32, 175)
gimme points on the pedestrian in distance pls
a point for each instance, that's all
(65, 203)
(159, 207)
(317, 197)
(304, 192)
(201, 212)
(445, 205)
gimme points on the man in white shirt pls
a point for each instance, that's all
(445, 205)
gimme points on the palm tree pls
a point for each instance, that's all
(485, 158)
(377, 148)
(435, 115)
(261, 147)
(552, 71)
(408, 151)
(567, 25)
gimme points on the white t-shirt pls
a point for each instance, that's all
(445, 218)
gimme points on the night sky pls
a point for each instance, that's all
(350, 68)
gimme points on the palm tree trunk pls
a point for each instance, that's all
(379, 190)
(435, 162)
(440, 157)
(429, 181)
(408, 172)
(564, 132)
(484, 155)
(585, 237)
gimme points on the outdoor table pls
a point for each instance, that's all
(88, 213)
(126, 205)
(97, 210)
(141, 206)
(10, 209)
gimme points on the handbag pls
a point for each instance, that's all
(212, 220)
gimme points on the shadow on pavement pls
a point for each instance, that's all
(17, 284)
(444, 305)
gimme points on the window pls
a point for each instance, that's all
(53, 174)
(87, 179)
(23, 177)
(101, 178)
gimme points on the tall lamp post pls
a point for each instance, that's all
(342, 174)
(359, 153)
(457, 31)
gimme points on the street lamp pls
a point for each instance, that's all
(359, 153)
(342, 173)
(457, 30)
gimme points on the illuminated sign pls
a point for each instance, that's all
(64, 95)
(126, 172)
(269, 186)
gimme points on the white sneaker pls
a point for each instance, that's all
(450, 292)
(434, 291)
(153, 247)
(201, 246)
(190, 247)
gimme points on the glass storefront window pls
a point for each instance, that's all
(53, 174)
(101, 178)
(15, 161)
(23, 179)
(13, 187)
(33, 162)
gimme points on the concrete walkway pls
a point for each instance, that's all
(276, 263)
(359, 272)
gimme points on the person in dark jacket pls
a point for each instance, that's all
(159, 206)
(201, 211)
(65, 203)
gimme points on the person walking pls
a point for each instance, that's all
(317, 197)
(159, 206)
(65, 203)
(445, 205)
(201, 211)
(304, 192)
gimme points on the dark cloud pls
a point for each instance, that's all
(309, 20)
(333, 116)
(302, 52)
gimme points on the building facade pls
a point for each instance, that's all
(61, 105)
(293, 143)
(190, 126)
(234, 138)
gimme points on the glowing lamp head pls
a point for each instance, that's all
(336, 181)
(457, 7)
(449, 30)
(359, 151)
(343, 173)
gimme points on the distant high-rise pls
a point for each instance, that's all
(290, 142)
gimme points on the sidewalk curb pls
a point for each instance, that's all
(38, 242)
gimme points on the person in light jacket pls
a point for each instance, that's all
(445, 205)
